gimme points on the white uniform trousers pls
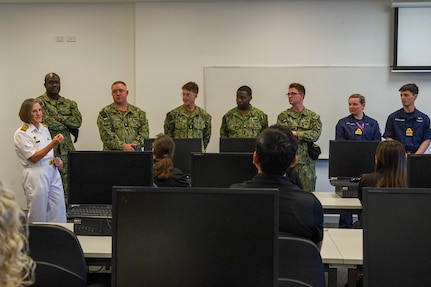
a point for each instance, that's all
(44, 192)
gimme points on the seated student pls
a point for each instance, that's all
(16, 267)
(165, 174)
(301, 213)
(390, 169)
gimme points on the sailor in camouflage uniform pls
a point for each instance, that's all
(306, 127)
(122, 126)
(243, 121)
(189, 120)
(62, 116)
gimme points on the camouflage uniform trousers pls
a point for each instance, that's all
(307, 174)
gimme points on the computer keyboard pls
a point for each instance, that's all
(86, 211)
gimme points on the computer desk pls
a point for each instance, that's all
(340, 248)
(334, 204)
(349, 244)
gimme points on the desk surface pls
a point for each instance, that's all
(340, 246)
(332, 203)
(348, 243)
(92, 246)
(329, 251)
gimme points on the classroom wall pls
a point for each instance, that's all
(158, 46)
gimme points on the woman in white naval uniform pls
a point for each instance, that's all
(41, 179)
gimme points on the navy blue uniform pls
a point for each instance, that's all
(411, 129)
(366, 129)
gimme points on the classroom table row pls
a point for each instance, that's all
(342, 248)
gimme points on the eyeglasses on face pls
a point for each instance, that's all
(292, 94)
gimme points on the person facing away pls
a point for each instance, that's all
(16, 267)
(306, 127)
(165, 174)
(189, 120)
(390, 169)
(243, 121)
(356, 126)
(408, 125)
(301, 213)
(41, 179)
(122, 126)
(61, 115)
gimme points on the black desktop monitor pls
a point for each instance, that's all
(237, 144)
(92, 174)
(350, 159)
(195, 237)
(396, 237)
(221, 169)
(418, 170)
(183, 150)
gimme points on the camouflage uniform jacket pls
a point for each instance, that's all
(234, 125)
(69, 117)
(308, 126)
(118, 128)
(180, 124)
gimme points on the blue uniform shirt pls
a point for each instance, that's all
(349, 128)
(411, 129)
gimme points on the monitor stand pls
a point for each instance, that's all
(345, 187)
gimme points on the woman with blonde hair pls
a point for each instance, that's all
(16, 267)
(165, 174)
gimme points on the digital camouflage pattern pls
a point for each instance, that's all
(234, 125)
(309, 127)
(179, 123)
(69, 117)
(118, 128)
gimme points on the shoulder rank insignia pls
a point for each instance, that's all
(24, 127)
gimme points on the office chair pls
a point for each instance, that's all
(59, 257)
(300, 263)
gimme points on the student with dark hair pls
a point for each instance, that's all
(245, 120)
(165, 174)
(408, 125)
(301, 213)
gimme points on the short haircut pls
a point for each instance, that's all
(298, 86)
(411, 88)
(246, 89)
(358, 96)
(51, 75)
(276, 149)
(191, 86)
(118, 82)
(25, 113)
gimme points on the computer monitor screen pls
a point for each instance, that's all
(195, 237)
(396, 237)
(350, 159)
(237, 144)
(182, 154)
(92, 174)
(418, 170)
(221, 169)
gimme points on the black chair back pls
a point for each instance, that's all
(58, 256)
(300, 263)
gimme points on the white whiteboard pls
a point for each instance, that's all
(327, 92)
